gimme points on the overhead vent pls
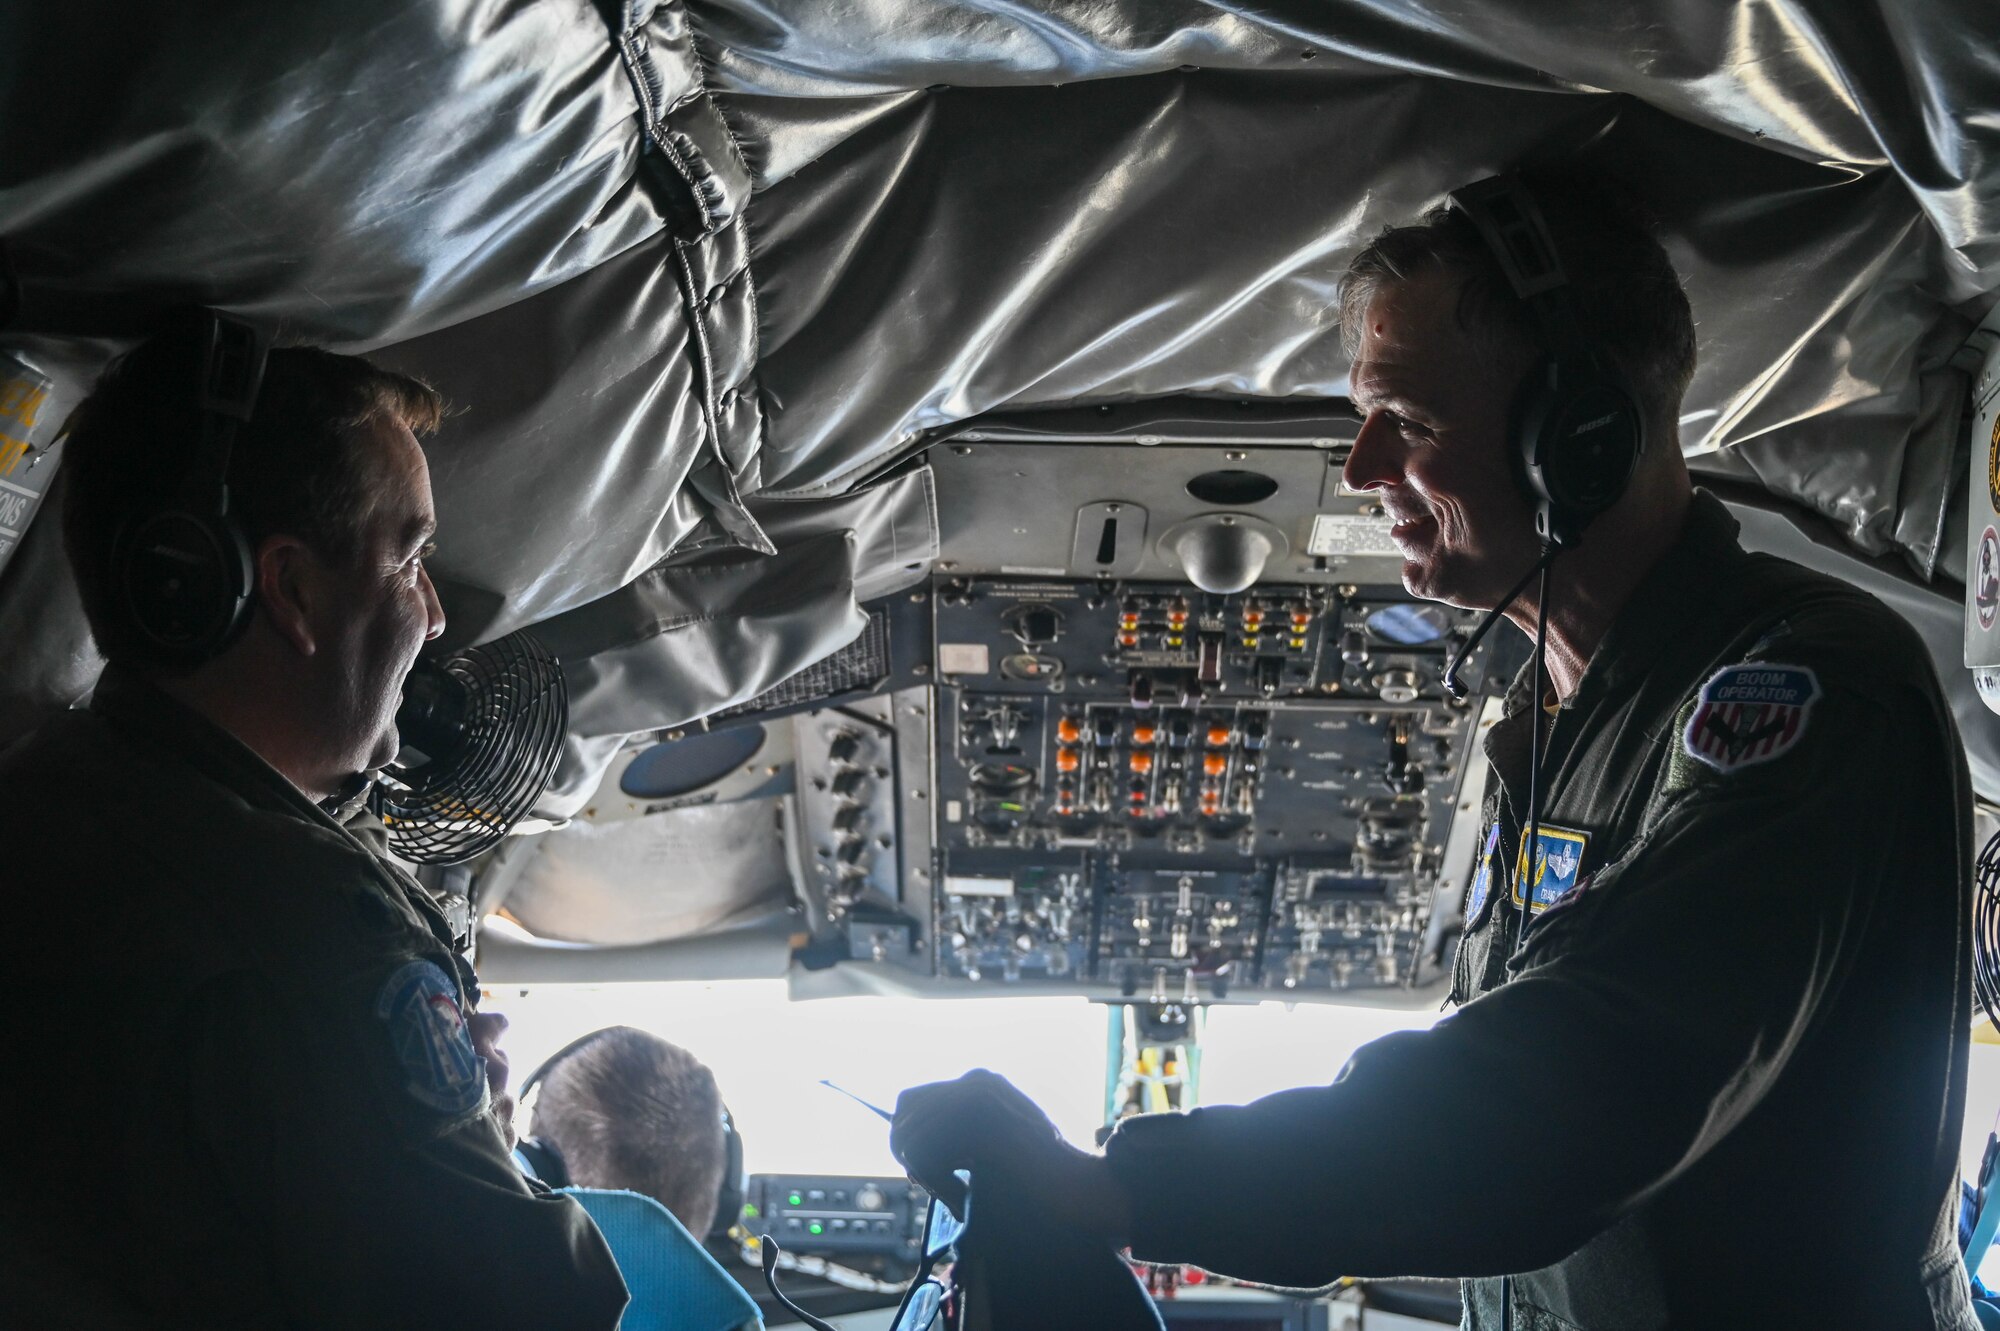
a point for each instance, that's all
(1232, 487)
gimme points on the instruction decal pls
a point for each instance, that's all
(1336, 534)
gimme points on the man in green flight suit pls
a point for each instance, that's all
(1708, 1063)
(245, 1082)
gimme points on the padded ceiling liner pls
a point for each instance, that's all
(670, 875)
(679, 262)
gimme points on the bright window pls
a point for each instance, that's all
(769, 1054)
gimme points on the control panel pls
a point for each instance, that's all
(1183, 794)
(847, 800)
(1158, 721)
(839, 1216)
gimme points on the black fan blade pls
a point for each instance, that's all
(482, 732)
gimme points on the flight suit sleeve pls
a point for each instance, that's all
(1649, 1015)
(376, 1213)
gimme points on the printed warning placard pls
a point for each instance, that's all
(1350, 534)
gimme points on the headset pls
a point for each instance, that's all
(1575, 427)
(181, 565)
(1576, 433)
(550, 1168)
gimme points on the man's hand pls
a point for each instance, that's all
(982, 1124)
(486, 1028)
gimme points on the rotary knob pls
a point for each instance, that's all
(870, 1198)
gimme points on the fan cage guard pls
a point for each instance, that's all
(1986, 930)
(517, 712)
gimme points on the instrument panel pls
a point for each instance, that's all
(1159, 722)
(1183, 794)
(846, 1217)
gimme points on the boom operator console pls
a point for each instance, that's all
(1116, 771)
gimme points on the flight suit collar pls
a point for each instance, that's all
(1656, 614)
(1670, 595)
(1659, 614)
(136, 704)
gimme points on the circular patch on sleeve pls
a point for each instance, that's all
(1749, 714)
(1986, 578)
(418, 1007)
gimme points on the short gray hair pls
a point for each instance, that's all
(1627, 296)
(629, 1110)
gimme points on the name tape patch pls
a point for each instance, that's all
(1558, 861)
(419, 1007)
(1749, 714)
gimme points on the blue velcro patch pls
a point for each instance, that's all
(1482, 878)
(426, 1029)
(1558, 861)
(1749, 714)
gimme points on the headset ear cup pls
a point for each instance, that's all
(545, 1160)
(1575, 427)
(1578, 437)
(729, 1198)
(180, 567)
(1594, 441)
(1528, 433)
(183, 582)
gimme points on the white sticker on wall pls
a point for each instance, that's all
(963, 658)
(1350, 534)
(978, 887)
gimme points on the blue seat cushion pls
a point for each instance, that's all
(675, 1284)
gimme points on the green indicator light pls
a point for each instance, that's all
(816, 1228)
(795, 1199)
(750, 1211)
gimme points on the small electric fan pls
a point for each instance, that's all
(481, 732)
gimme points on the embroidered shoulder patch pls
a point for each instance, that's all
(1751, 713)
(419, 1008)
(1482, 878)
(1558, 858)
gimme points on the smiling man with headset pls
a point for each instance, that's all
(1708, 1061)
(244, 1084)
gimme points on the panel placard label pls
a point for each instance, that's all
(1350, 534)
